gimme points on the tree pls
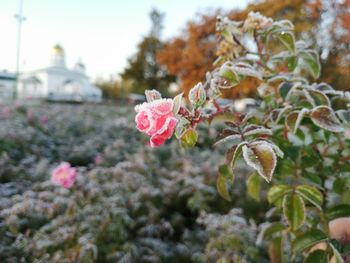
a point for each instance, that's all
(143, 71)
(189, 61)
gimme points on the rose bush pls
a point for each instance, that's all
(296, 139)
(129, 203)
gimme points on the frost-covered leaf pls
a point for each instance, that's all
(277, 150)
(177, 102)
(287, 39)
(231, 77)
(284, 88)
(311, 62)
(247, 70)
(258, 131)
(325, 118)
(318, 97)
(197, 95)
(277, 114)
(260, 156)
(294, 210)
(311, 194)
(237, 153)
(294, 119)
(232, 139)
(152, 95)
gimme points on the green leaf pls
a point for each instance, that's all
(307, 240)
(311, 62)
(337, 211)
(324, 117)
(272, 229)
(336, 254)
(237, 153)
(226, 171)
(287, 39)
(189, 138)
(276, 192)
(260, 156)
(229, 75)
(227, 35)
(275, 249)
(319, 256)
(222, 187)
(294, 210)
(284, 89)
(292, 62)
(318, 97)
(311, 194)
(254, 186)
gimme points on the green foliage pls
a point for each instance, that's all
(305, 124)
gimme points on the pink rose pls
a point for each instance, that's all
(98, 159)
(157, 120)
(64, 175)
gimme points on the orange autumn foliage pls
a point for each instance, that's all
(191, 55)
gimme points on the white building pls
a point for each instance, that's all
(57, 82)
(7, 85)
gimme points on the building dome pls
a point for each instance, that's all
(57, 50)
(58, 56)
(79, 66)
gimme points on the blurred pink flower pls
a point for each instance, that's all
(6, 113)
(44, 119)
(98, 159)
(30, 115)
(156, 119)
(64, 175)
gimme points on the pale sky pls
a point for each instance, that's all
(103, 33)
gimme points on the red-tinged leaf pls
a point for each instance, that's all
(260, 156)
(294, 119)
(197, 95)
(325, 118)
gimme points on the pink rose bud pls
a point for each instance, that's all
(30, 115)
(98, 159)
(157, 120)
(44, 119)
(64, 175)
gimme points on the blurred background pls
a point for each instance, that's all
(70, 72)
